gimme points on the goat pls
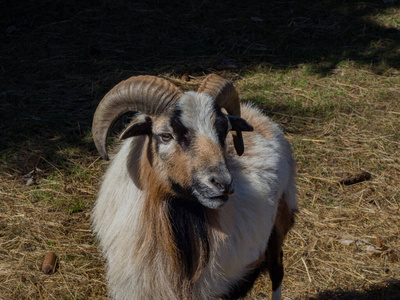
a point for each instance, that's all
(184, 212)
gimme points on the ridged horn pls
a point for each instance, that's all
(223, 91)
(148, 94)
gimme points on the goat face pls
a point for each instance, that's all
(187, 133)
(190, 149)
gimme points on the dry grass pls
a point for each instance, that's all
(51, 215)
(345, 244)
(327, 73)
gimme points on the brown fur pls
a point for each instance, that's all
(208, 152)
(158, 242)
(284, 219)
(178, 169)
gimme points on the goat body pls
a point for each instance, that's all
(166, 235)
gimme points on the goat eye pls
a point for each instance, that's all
(166, 137)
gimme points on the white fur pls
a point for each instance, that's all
(197, 113)
(261, 176)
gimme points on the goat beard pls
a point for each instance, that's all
(190, 232)
(177, 230)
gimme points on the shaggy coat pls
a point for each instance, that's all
(162, 240)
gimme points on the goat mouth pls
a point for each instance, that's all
(221, 198)
(213, 202)
(211, 195)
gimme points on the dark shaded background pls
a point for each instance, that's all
(58, 58)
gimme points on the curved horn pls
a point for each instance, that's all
(225, 94)
(148, 94)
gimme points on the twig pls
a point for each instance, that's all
(308, 273)
(312, 140)
(359, 201)
(66, 285)
(395, 200)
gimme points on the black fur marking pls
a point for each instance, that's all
(220, 124)
(239, 124)
(184, 193)
(241, 288)
(142, 125)
(183, 134)
(149, 151)
(190, 232)
(274, 256)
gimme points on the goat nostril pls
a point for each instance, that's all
(217, 183)
(223, 188)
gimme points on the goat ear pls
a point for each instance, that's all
(140, 125)
(133, 163)
(237, 125)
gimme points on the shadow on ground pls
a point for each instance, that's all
(389, 291)
(58, 58)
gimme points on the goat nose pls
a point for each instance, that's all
(223, 184)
